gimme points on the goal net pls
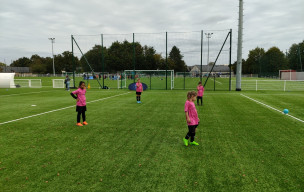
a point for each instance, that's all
(28, 83)
(154, 79)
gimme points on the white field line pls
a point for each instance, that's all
(216, 81)
(23, 93)
(59, 109)
(272, 108)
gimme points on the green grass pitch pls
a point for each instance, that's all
(244, 146)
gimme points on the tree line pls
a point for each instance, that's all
(118, 57)
(268, 63)
(123, 55)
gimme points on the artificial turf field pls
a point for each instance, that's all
(244, 146)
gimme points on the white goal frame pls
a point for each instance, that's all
(30, 83)
(62, 85)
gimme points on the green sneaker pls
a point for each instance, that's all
(185, 141)
(194, 143)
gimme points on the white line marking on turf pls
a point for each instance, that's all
(23, 93)
(217, 81)
(60, 109)
(272, 108)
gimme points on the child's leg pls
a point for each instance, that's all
(202, 100)
(78, 116)
(191, 133)
(83, 115)
(188, 135)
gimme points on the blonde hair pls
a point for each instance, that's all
(191, 94)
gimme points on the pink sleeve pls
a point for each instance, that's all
(186, 106)
(75, 92)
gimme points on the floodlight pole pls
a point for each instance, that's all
(53, 41)
(239, 48)
(208, 35)
(299, 52)
(201, 73)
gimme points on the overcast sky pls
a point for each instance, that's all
(26, 25)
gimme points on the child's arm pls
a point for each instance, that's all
(187, 117)
(75, 97)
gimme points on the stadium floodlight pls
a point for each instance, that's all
(208, 35)
(53, 41)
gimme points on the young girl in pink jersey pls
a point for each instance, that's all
(191, 118)
(200, 93)
(81, 102)
(139, 89)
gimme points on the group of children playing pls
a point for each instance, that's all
(190, 110)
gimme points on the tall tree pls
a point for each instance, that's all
(37, 64)
(176, 60)
(295, 56)
(120, 56)
(159, 61)
(253, 62)
(21, 62)
(273, 61)
(149, 59)
(94, 58)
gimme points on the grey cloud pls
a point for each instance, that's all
(26, 25)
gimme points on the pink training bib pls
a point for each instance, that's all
(81, 96)
(190, 108)
(139, 87)
(200, 91)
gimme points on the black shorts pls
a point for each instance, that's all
(199, 97)
(138, 93)
(81, 108)
(192, 127)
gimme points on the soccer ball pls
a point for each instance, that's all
(285, 111)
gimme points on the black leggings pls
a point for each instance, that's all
(191, 132)
(83, 116)
(199, 98)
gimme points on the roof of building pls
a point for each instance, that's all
(6, 69)
(207, 68)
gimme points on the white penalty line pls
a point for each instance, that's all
(59, 109)
(272, 108)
